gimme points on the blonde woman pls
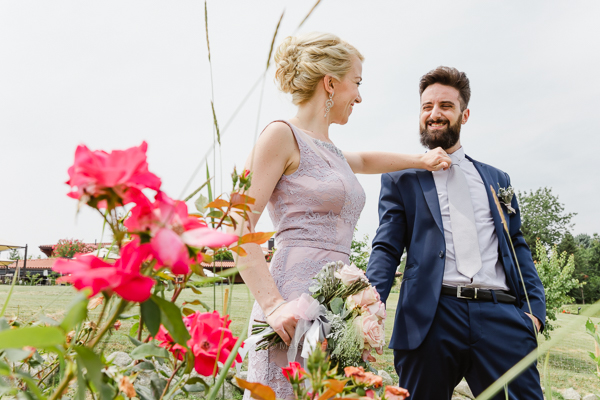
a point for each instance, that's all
(309, 186)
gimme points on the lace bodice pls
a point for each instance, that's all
(319, 204)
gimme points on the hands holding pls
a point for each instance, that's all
(435, 160)
(283, 321)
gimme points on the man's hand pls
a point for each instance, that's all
(536, 321)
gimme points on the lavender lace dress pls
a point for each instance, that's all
(314, 211)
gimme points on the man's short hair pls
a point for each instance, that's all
(450, 77)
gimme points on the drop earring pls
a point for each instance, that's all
(328, 104)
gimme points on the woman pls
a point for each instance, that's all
(309, 186)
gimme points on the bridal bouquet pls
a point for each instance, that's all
(344, 310)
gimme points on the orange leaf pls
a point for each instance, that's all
(239, 250)
(218, 203)
(195, 215)
(334, 387)
(259, 391)
(244, 207)
(257, 237)
(238, 198)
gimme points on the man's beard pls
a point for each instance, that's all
(444, 138)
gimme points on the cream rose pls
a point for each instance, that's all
(377, 309)
(364, 298)
(349, 274)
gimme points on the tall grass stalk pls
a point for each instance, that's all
(12, 286)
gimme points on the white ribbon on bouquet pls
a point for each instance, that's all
(312, 325)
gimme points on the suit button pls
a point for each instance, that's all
(441, 254)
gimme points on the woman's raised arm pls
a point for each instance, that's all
(378, 162)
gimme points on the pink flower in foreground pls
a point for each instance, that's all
(172, 230)
(377, 308)
(293, 372)
(110, 176)
(167, 342)
(211, 341)
(122, 278)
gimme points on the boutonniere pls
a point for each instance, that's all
(505, 195)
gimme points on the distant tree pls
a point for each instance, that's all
(14, 254)
(543, 216)
(584, 240)
(587, 268)
(556, 273)
(360, 251)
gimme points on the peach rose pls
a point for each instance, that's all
(365, 297)
(349, 274)
(377, 309)
(395, 393)
(372, 331)
(360, 377)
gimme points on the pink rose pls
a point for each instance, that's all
(363, 298)
(377, 309)
(372, 331)
(349, 274)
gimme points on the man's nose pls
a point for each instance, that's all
(436, 112)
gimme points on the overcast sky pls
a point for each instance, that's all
(110, 74)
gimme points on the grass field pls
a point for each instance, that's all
(570, 365)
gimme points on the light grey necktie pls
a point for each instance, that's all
(462, 218)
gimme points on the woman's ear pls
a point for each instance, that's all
(328, 83)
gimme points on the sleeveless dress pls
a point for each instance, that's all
(314, 211)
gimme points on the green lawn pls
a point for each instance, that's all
(570, 365)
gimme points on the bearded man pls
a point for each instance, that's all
(463, 311)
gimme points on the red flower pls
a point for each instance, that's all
(172, 230)
(123, 278)
(293, 371)
(167, 342)
(211, 341)
(102, 176)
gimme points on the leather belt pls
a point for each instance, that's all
(470, 293)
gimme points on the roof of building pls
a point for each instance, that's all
(44, 263)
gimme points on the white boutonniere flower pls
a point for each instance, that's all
(506, 195)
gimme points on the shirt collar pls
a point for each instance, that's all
(458, 156)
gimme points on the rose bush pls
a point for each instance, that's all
(161, 246)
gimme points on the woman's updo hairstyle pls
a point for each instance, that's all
(302, 61)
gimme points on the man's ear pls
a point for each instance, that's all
(465, 116)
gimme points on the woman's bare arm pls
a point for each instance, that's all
(377, 162)
(276, 153)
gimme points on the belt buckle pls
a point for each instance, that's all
(460, 296)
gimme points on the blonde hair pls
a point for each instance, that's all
(302, 61)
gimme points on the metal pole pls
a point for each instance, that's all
(25, 259)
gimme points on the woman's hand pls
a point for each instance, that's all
(283, 322)
(435, 160)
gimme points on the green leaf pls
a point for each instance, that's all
(148, 350)
(201, 203)
(134, 329)
(172, 320)
(16, 355)
(4, 324)
(144, 366)
(134, 341)
(337, 305)
(215, 214)
(37, 336)
(196, 384)
(81, 385)
(93, 365)
(194, 289)
(151, 316)
(76, 313)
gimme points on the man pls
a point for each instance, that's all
(462, 310)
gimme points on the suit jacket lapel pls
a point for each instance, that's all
(429, 191)
(487, 181)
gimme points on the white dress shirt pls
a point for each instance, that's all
(491, 275)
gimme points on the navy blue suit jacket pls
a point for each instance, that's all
(410, 218)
